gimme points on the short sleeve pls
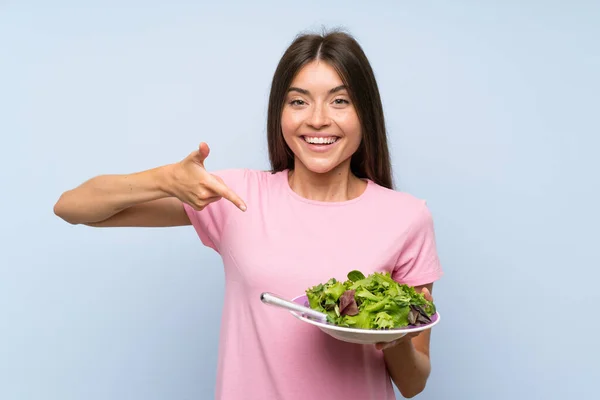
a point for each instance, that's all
(211, 221)
(418, 262)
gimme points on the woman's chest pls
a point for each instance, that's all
(288, 255)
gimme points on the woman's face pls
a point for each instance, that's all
(319, 122)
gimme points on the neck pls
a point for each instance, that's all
(336, 185)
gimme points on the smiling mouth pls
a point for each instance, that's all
(320, 141)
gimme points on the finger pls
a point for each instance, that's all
(222, 190)
(211, 200)
(203, 152)
(383, 345)
(217, 177)
(200, 205)
(426, 294)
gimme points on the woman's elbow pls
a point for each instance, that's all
(61, 210)
(408, 390)
(409, 393)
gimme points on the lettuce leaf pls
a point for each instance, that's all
(372, 302)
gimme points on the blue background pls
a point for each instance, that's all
(492, 109)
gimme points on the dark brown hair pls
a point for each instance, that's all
(344, 54)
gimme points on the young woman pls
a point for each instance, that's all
(326, 207)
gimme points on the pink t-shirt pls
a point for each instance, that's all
(285, 244)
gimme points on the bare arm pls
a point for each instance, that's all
(408, 363)
(148, 198)
(138, 199)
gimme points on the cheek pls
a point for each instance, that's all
(288, 123)
(351, 126)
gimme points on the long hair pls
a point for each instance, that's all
(342, 52)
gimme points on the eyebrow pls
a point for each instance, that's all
(306, 92)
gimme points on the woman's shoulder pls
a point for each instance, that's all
(244, 174)
(398, 205)
(395, 198)
(244, 178)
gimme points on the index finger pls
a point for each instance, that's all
(222, 190)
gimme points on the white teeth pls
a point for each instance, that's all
(320, 140)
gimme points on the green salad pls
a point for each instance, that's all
(372, 302)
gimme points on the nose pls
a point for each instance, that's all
(319, 117)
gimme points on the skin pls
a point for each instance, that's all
(319, 105)
(150, 198)
(407, 359)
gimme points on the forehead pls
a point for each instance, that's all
(317, 75)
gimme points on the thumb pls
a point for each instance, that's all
(203, 152)
(427, 294)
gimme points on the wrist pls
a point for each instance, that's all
(403, 348)
(164, 178)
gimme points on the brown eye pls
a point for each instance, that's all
(297, 102)
(341, 101)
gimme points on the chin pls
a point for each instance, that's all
(320, 169)
(320, 166)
